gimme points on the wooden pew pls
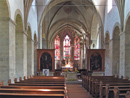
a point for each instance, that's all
(32, 91)
(27, 84)
(102, 89)
(90, 80)
(23, 95)
(40, 81)
(35, 87)
(120, 92)
(127, 95)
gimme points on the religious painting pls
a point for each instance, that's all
(66, 47)
(76, 48)
(95, 59)
(96, 62)
(46, 62)
(46, 72)
(57, 48)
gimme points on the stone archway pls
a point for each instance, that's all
(107, 38)
(35, 55)
(29, 52)
(116, 51)
(19, 69)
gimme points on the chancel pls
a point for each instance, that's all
(82, 44)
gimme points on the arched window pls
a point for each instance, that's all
(34, 4)
(109, 5)
(57, 48)
(66, 47)
(76, 48)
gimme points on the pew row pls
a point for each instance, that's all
(35, 87)
(103, 86)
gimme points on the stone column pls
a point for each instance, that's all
(35, 58)
(7, 49)
(12, 65)
(32, 58)
(122, 54)
(25, 54)
(101, 37)
(44, 46)
(126, 68)
(107, 59)
(72, 48)
(114, 56)
(81, 56)
(83, 52)
(85, 55)
(125, 54)
(61, 47)
(111, 56)
(40, 38)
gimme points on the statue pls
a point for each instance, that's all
(66, 60)
(69, 61)
(68, 64)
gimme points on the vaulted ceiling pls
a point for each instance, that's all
(27, 5)
(78, 15)
(70, 14)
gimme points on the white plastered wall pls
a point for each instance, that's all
(32, 20)
(14, 5)
(111, 19)
(127, 10)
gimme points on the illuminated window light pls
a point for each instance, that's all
(109, 6)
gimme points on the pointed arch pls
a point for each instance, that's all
(29, 52)
(116, 50)
(19, 67)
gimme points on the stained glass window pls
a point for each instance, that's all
(57, 48)
(66, 47)
(76, 48)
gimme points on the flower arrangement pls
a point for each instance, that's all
(76, 71)
(66, 70)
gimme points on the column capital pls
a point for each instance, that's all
(110, 40)
(8, 19)
(24, 32)
(122, 33)
(13, 22)
(32, 40)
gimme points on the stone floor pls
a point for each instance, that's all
(75, 90)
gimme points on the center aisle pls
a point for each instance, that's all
(77, 91)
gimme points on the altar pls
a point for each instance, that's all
(71, 76)
(67, 68)
(67, 64)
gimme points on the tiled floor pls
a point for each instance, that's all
(76, 91)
